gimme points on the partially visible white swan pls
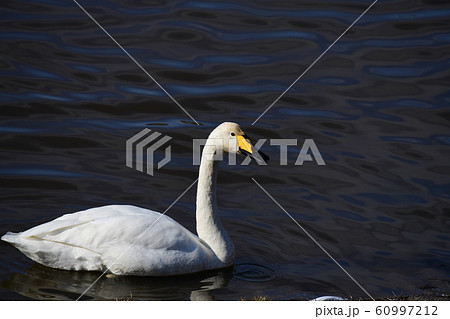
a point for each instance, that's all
(95, 239)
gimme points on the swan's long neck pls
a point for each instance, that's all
(209, 227)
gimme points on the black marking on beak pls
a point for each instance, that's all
(257, 155)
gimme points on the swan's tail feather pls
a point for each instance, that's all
(12, 238)
(47, 253)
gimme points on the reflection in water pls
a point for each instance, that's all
(42, 283)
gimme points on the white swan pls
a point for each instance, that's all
(96, 239)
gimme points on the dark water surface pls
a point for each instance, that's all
(376, 105)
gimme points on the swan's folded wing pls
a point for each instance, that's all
(75, 241)
(41, 245)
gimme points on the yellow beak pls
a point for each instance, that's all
(244, 144)
(246, 148)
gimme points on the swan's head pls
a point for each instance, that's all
(229, 137)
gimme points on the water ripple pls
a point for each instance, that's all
(253, 272)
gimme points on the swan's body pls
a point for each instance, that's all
(95, 238)
(129, 240)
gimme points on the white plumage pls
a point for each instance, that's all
(129, 240)
(95, 239)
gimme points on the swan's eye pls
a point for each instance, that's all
(232, 134)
